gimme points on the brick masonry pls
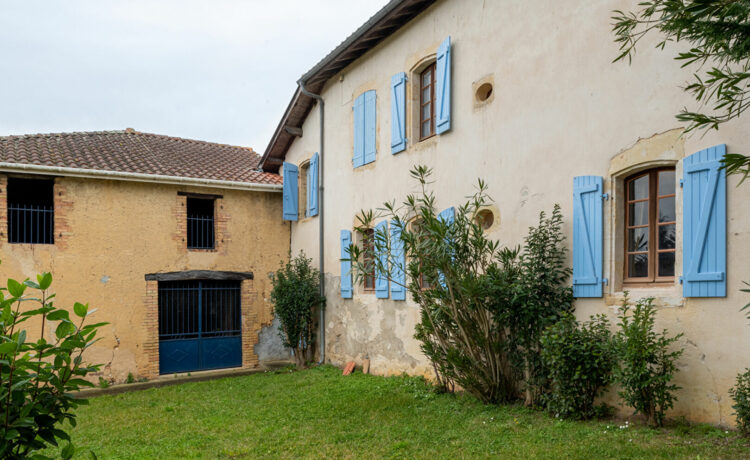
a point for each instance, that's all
(250, 326)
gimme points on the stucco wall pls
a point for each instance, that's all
(560, 108)
(109, 234)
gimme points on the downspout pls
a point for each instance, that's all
(321, 105)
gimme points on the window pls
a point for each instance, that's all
(368, 240)
(303, 191)
(650, 227)
(200, 223)
(427, 102)
(31, 211)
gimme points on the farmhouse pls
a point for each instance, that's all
(525, 96)
(170, 239)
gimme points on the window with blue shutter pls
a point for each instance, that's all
(588, 236)
(364, 128)
(312, 186)
(398, 264)
(381, 278)
(443, 87)
(398, 113)
(346, 265)
(290, 198)
(704, 231)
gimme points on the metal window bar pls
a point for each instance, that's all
(200, 232)
(31, 224)
(199, 309)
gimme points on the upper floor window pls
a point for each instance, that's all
(200, 223)
(365, 128)
(31, 211)
(427, 102)
(650, 227)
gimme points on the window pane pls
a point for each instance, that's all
(426, 77)
(666, 264)
(426, 95)
(638, 265)
(638, 239)
(638, 188)
(666, 209)
(638, 213)
(426, 129)
(667, 236)
(426, 112)
(666, 183)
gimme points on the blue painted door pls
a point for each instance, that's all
(199, 325)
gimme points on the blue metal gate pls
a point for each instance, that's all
(199, 325)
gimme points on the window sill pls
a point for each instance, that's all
(665, 295)
(202, 250)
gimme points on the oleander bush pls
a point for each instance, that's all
(740, 393)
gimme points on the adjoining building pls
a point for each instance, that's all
(525, 96)
(170, 240)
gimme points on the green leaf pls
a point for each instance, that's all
(80, 309)
(8, 347)
(68, 451)
(57, 315)
(45, 280)
(64, 329)
(15, 288)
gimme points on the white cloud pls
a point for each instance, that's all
(220, 70)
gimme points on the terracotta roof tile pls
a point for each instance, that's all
(135, 152)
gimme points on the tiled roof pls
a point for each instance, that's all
(130, 151)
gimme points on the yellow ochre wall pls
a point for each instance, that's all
(109, 234)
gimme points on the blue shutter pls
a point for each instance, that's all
(346, 265)
(370, 126)
(398, 264)
(443, 87)
(588, 236)
(447, 216)
(290, 191)
(312, 186)
(359, 131)
(704, 231)
(398, 113)
(381, 279)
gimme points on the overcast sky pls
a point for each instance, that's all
(216, 70)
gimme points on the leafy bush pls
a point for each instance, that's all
(542, 297)
(740, 393)
(647, 365)
(484, 306)
(295, 295)
(36, 378)
(580, 360)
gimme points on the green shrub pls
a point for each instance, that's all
(647, 364)
(741, 395)
(131, 378)
(38, 377)
(485, 306)
(541, 297)
(580, 360)
(295, 295)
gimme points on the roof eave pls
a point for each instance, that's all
(381, 25)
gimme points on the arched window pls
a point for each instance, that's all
(650, 227)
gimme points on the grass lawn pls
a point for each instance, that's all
(318, 413)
